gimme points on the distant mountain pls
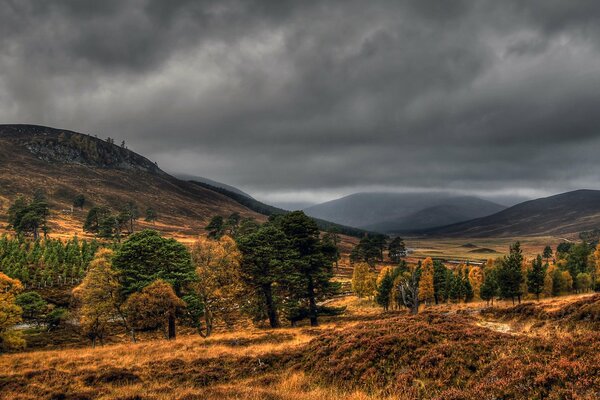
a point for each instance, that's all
(266, 209)
(194, 178)
(292, 205)
(565, 213)
(396, 212)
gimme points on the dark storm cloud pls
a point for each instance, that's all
(306, 100)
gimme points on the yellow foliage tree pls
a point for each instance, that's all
(426, 288)
(476, 280)
(98, 297)
(596, 271)
(549, 281)
(363, 280)
(219, 282)
(567, 281)
(382, 273)
(10, 313)
(154, 307)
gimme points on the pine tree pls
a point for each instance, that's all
(509, 274)
(383, 296)
(535, 277)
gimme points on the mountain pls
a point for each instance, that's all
(562, 214)
(397, 212)
(210, 182)
(64, 164)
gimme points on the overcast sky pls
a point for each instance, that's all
(307, 100)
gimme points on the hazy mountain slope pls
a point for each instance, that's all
(390, 212)
(267, 209)
(564, 213)
(65, 163)
(210, 182)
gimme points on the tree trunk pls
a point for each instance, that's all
(208, 321)
(271, 311)
(312, 304)
(171, 326)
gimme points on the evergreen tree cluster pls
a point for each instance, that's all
(46, 262)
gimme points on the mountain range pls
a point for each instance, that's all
(401, 212)
(561, 214)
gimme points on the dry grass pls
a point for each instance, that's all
(458, 249)
(444, 353)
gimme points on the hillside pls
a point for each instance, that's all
(446, 352)
(64, 164)
(396, 212)
(562, 214)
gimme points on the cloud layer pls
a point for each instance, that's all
(309, 100)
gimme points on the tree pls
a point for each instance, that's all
(33, 305)
(584, 281)
(476, 280)
(216, 227)
(363, 280)
(396, 249)
(468, 289)
(265, 256)
(547, 253)
(10, 313)
(79, 201)
(128, 215)
(509, 274)
(409, 291)
(535, 277)
(330, 243)
(563, 248)
(151, 215)
(146, 257)
(440, 274)
(384, 289)
(29, 218)
(218, 283)
(95, 219)
(596, 269)
(99, 297)
(154, 307)
(369, 249)
(489, 288)
(312, 271)
(426, 282)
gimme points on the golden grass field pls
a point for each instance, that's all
(284, 364)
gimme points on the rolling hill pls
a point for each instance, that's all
(561, 214)
(64, 164)
(398, 212)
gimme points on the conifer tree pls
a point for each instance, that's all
(509, 274)
(535, 277)
(384, 289)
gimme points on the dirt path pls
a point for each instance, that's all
(497, 326)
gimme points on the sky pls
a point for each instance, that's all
(311, 100)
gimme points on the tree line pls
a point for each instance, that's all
(572, 268)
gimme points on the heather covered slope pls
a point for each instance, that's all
(561, 214)
(442, 353)
(64, 164)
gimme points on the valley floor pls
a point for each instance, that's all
(546, 349)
